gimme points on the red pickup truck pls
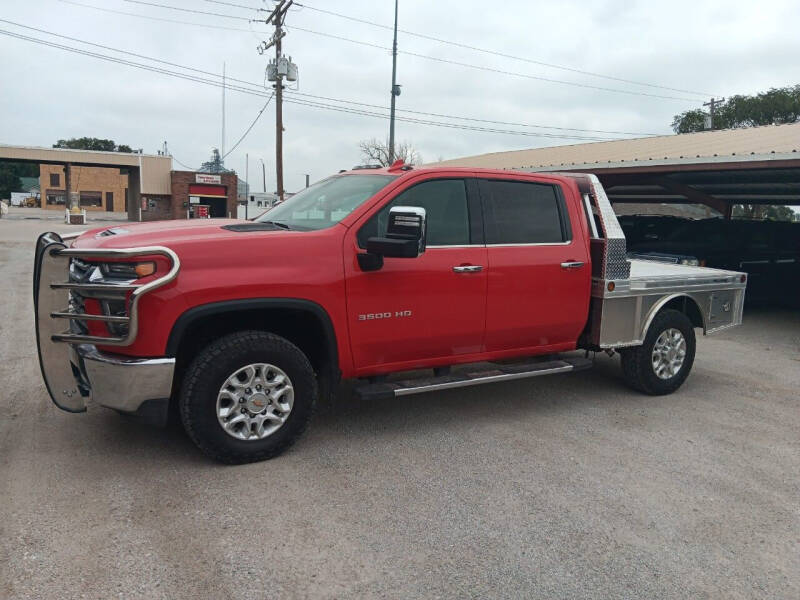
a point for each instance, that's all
(457, 276)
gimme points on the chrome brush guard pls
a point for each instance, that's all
(58, 349)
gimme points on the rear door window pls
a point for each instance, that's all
(519, 212)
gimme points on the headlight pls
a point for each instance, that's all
(122, 270)
(692, 262)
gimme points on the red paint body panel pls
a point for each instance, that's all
(416, 309)
(522, 303)
(532, 301)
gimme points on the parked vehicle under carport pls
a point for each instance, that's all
(768, 251)
(649, 228)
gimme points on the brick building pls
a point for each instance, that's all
(196, 195)
(98, 188)
(143, 185)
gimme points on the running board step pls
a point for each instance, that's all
(387, 390)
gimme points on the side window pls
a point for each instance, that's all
(445, 204)
(524, 213)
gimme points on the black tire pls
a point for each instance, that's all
(218, 361)
(637, 362)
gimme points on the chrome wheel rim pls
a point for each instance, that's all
(255, 401)
(669, 353)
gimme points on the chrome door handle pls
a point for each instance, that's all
(572, 264)
(468, 269)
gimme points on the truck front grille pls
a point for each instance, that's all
(111, 303)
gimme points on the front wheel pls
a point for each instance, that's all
(663, 362)
(247, 397)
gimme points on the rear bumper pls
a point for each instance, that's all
(122, 382)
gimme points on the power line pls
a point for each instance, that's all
(259, 87)
(294, 101)
(122, 61)
(232, 4)
(188, 10)
(446, 125)
(113, 49)
(478, 120)
(244, 135)
(181, 164)
(152, 18)
(433, 58)
(495, 70)
(497, 53)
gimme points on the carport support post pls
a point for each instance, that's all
(134, 195)
(68, 186)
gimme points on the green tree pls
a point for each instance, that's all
(766, 212)
(9, 181)
(87, 143)
(10, 174)
(776, 106)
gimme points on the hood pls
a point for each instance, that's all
(169, 233)
(226, 250)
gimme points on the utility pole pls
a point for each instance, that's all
(395, 87)
(246, 183)
(712, 105)
(278, 112)
(281, 68)
(263, 175)
(222, 141)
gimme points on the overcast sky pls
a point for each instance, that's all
(701, 46)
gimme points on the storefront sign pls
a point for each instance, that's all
(206, 178)
(194, 199)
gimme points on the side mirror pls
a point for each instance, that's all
(405, 234)
(405, 238)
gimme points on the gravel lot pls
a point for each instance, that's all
(568, 486)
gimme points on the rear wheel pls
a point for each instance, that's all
(247, 397)
(663, 362)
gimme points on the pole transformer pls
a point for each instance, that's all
(282, 67)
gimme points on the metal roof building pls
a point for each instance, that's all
(757, 165)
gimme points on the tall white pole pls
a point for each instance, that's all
(395, 90)
(222, 143)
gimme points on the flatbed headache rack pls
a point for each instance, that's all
(627, 294)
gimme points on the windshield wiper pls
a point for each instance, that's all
(278, 224)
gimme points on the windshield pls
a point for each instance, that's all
(326, 202)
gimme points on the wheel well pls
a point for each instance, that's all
(687, 306)
(303, 327)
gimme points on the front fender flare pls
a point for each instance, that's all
(182, 324)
